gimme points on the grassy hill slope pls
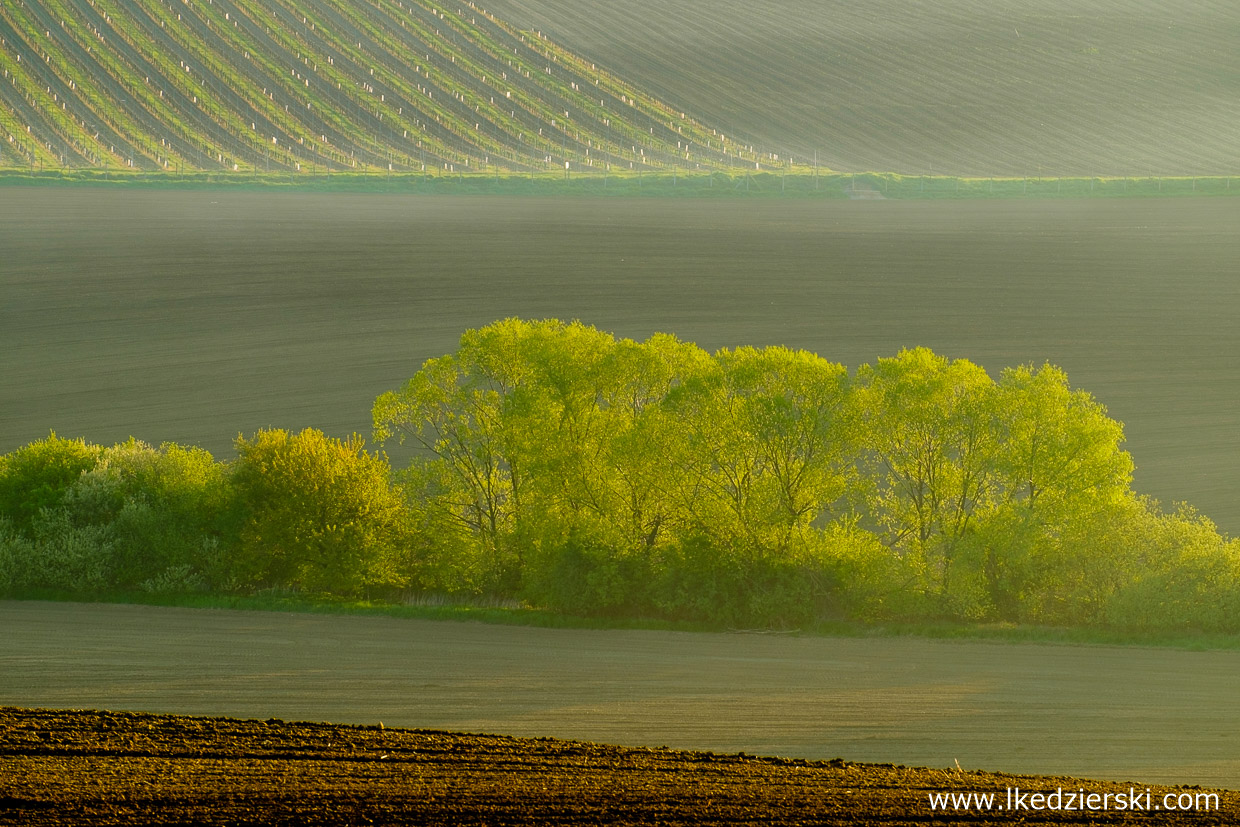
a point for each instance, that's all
(306, 85)
(957, 87)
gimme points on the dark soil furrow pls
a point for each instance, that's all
(224, 771)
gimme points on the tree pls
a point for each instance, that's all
(930, 452)
(770, 441)
(37, 476)
(539, 436)
(322, 514)
(1062, 497)
(470, 412)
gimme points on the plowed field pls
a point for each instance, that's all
(96, 768)
(1110, 712)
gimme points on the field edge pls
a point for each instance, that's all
(502, 615)
(869, 186)
(95, 767)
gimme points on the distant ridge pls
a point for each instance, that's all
(318, 85)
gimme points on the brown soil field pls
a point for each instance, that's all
(1118, 713)
(192, 317)
(95, 768)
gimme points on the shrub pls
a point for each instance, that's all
(37, 476)
(1190, 580)
(175, 580)
(15, 550)
(67, 557)
(320, 514)
(160, 506)
(586, 571)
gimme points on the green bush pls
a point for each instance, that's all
(15, 550)
(320, 514)
(67, 557)
(1189, 582)
(37, 476)
(164, 508)
(181, 579)
(588, 572)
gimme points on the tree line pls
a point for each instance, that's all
(560, 466)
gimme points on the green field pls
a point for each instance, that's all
(974, 88)
(958, 87)
(192, 317)
(307, 86)
(664, 184)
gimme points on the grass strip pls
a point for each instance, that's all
(867, 187)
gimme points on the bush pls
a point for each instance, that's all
(695, 579)
(37, 476)
(15, 550)
(175, 580)
(1190, 581)
(67, 557)
(162, 508)
(586, 572)
(320, 514)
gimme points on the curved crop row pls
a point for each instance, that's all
(305, 85)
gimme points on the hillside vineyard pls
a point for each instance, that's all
(319, 85)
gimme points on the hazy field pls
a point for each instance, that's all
(977, 87)
(195, 316)
(1094, 711)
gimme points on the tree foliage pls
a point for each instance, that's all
(610, 475)
(36, 476)
(575, 471)
(320, 513)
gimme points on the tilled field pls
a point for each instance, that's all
(95, 768)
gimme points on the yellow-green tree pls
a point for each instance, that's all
(36, 477)
(930, 451)
(322, 514)
(1061, 537)
(769, 439)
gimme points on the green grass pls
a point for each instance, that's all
(864, 186)
(465, 611)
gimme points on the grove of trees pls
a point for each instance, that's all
(565, 468)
